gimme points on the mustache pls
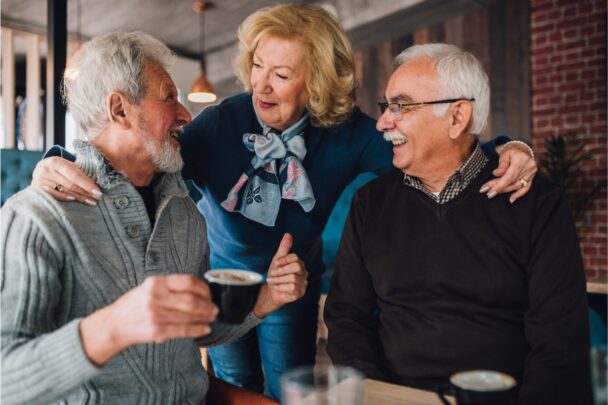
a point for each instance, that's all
(179, 130)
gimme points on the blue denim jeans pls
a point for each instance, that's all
(284, 340)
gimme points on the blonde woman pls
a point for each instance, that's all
(275, 159)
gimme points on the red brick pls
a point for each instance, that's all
(539, 18)
(538, 81)
(543, 111)
(556, 13)
(589, 251)
(571, 22)
(564, 46)
(568, 87)
(596, 40)
(573, 55)
(544, 90)
(571, 11)
(573, 109)
(590, 274)
(556, 58)
(545, 50)
(539, 5)
(587, 119)
(573, 66)
(541, 123)
(540, 62)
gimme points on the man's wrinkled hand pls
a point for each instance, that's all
(159, 309)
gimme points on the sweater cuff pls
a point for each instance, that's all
(252, 320)
(225, 333)
(63, 352)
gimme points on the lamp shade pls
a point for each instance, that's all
(201, 90)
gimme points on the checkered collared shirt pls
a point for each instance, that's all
(457, 182)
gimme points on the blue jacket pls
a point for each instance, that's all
(215, 158)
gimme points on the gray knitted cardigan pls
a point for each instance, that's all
(63, 260)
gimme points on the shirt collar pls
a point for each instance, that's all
(458, 181)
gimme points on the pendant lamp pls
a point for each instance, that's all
(201, 90)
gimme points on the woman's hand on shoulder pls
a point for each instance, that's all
(515, 171)
(65, 181)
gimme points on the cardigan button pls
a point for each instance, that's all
(133, 230)
(121, 202)
(152, 257)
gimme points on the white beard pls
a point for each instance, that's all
(165, 154)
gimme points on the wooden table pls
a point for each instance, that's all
(381, 393)
(597, 287)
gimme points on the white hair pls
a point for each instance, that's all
(111, 62)
(461, 76)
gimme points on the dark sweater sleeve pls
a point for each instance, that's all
(351, 304)
(489, 147)
(193, 140)
(556, 324)
(60, 151)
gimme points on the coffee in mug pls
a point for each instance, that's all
(234, 292)
(482, 387)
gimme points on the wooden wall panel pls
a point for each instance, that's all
(496, 35)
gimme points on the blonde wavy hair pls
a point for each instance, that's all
(330, 68)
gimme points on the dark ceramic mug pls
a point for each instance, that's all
(481, 387)
(234, 292)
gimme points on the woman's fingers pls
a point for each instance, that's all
(65, 181)
(58, 191)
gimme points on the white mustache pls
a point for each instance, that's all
(177, 130)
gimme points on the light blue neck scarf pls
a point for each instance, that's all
(258, 192)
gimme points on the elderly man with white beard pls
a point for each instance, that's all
(107, 305)
(432, 277)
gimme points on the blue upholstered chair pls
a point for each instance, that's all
(16, 167)
(335, 224)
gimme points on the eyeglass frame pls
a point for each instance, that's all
(385, 106)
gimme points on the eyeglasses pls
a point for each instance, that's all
(398, 109)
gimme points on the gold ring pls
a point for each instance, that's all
(58, 187)
(523, 182)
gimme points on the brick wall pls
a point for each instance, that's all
(568, 57)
